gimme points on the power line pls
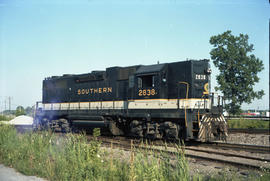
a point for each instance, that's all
(7, 103)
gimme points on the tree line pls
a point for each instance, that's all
(20, 110)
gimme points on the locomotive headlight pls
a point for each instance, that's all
(164, 80)
(208, 71)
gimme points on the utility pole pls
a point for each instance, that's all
(5, 104)
(9, 102)
(0, 108)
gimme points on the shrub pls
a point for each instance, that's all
(248, 123)
(4, 118)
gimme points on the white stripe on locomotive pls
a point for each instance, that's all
(132, 104)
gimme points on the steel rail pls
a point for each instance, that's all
(228, 154)
(226, 158)
(243, 147)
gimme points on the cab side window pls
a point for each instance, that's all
(146, 81)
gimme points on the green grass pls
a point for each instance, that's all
(248, 123)
(73, 157)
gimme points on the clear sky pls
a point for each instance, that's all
(45, 38)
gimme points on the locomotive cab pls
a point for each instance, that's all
(148, 83)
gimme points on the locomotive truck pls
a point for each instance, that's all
(160, 101)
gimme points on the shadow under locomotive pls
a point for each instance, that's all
(161, 101)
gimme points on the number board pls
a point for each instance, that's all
(200, 77)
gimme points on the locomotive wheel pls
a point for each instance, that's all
(55, 126)
(136, 129)
(43, 124)
(65, 126)
(171, 130)
(74, 129)
(114, 129)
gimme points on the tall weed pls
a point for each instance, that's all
(73, 157)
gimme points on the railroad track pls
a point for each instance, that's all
(229, 158)
(238, 147)
(252, 156)
(206, 152)
(228, 154)
(255, 156)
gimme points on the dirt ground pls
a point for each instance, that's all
(244, 138)
(10, 174)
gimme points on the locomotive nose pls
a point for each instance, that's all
(213, 127)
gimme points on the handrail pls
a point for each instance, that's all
(187, 89)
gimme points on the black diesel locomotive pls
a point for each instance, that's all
(167, 101)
